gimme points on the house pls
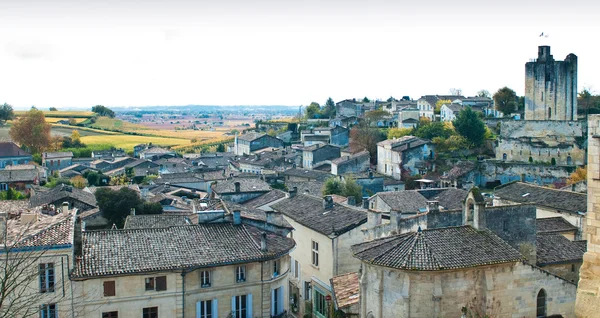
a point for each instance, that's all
(77, 198)
(448, 112)
(343, 121)
(11, 154)
(438, 272)
(337, 136)
(426, 104)
(160, 266)
(370, 182)
(356, 163)
(324, 232)
(549, 203)
(405, 153)
(155, 152)
(346, 293)
(349, 108)
(109, 154)
(74, 170)
(250, 142)
(55, 161)
(300, 175)
(408, 118)
(267, 162)
(462, 175)
(38, 250)
(483, 105)
(19, 179)
(240, 190)
(316, 154)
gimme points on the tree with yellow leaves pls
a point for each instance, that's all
(578, 175)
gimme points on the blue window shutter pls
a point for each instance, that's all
(215, 308)
(198, 309)
(249, 306)
(281, 302)
(233, 305)
(273, 309)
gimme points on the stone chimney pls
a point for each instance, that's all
(433, 206)
(351, 201)
(365, 202)
(395, 217)
(132, 211)
(270, 216)
(237, 187)
(327, 202)
(263, 241)
(237, 217)
(65, 208)
(373, 218)
(293, 192)
(27, 218)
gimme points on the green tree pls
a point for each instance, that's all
(391, 99)
(31, 131)
(365, 100)
(53, 109)
(429, 130)
(398, 132)
(6, 113)
(375, 115)
(103, 111)
(347, 188)
(484, 93)
(313, 110)
(221, 148)
(329, 108)
(333, 185)
(116, 205)
(505, 100)
(470, 126)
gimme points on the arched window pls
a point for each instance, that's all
(541, 304)
(504, 156)
(469, 211)
(569, 160)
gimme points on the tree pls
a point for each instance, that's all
(221, 148)
(470, 126)
(439, 104)
(116, 205)
(365, 100)
(366, 138)
(455, 91)
(428, 130)
(31, 131)
(375, 116)
(484, 93)
(53, 109)
(580, 174)
(333, 185)
(398, 132)
(505, 100)
(391, 99)
(103, 111)
(329, 108)
(587, 102)
(313, 110)
(6, 113)
(347, 188)
(79, 182)
(75, 136)
(56, 143)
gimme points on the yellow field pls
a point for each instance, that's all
(53, 120)
(98, 131)
(201, 143)
(127, 141)
(62, 114)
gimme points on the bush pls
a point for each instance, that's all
(12, 194)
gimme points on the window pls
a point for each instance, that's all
(315, 253)
(277, 301)
(110, 314)
(573, 268)
(296, 268)
(205, 279)
(158, 283)
(205, 309)
(320, 305)
(150, 312)
(307, 291)
(109, 288)
(275, 268)
(541, 304)
(240, 274)
(241, 306)
(46, 272)
(48, 311)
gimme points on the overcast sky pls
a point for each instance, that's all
(78, 53)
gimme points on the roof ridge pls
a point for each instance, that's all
(384, 241)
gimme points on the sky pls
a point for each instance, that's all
(80, 53)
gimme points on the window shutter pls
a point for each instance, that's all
(273, 310)
(109, 288)
(198, 309)
(249, 306)
(161, 283)
(292, 268)
(233, 305)
(281, 301)
(215, 308)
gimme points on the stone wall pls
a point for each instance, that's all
(515, 225)
(568, 271)
(440, 219)
(505, 172)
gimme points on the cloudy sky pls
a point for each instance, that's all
(79, 53)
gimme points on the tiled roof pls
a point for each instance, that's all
(154, 221)
(461, 168)
(553, 248)
(450, 198)
(129, 251)
(437, 249)
(403, 143)
(407, 201)
(521, 192)
(250, 136)
(157, 150)
(306, 173)
(265, 199)
(555, 224)
(310, 187)
(246, 185)
(10, 149)
(455, 107)
(357, 155)
(346, 289)
(318, 146)
(7, 176)
(62, 192)
(308, 211)
(257, 214)
(50, 155)
(59, 233)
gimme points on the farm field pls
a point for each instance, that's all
(53, 120)
(127, 142)
(61, 114)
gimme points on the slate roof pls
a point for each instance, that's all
(460, 169)
(449, 199)
(246, 185)
(437, 249)
(257, 214)
(154, 221)
(60, 193)
(408, 201)
(521, 192)
(357, 155)
(553, 248)
(455, 108)
(403, 143)
(250, 136)
(346, 289)
(50, 155)
(60, 233)
(131, 251)
(265, 199)
(156, 150)
(308, 211)
(306, 173)
(7, 176)
(555, 224)
(311, 187)
(10, 149)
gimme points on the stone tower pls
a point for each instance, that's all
(551, 87)
(588, 290)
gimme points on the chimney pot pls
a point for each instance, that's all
(327, 202)
(237, 217)
(65, 208)
(263, 241)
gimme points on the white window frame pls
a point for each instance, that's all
(237, 303)
(203, 305)
(240, 274)
(49, 311)
(47, 277)
(205, 279)
(315, 253)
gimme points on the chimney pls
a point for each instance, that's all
(27, 218)
(365, 202)
(65, 208)
(132, 211)
(237, 217)
(327, 202)
(351, 201)
(293, 192)
(167, 185)
(237, 187)
(263, 241)
(395, 217)
(270, 216)
(433, 206)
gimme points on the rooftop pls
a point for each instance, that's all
(306, 173)
(249, 136)
(553, 248)
(246, 185)
(562, 200)
(308, 210)
(10, 149)
(51, 155)
(555, 224)
(346, 289)
(154, 221)
(407, 201)
(265, 199)
(62, 192)
(437, 249)
(343, 159)
(130, 251)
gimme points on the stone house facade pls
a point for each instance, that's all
(55, 161)
(250, 142)
(408, 152)
(316, 154)
(356, 163)
(11, 154)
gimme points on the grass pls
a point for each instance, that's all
(61, 114)
(127, 142)
(82, 129)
